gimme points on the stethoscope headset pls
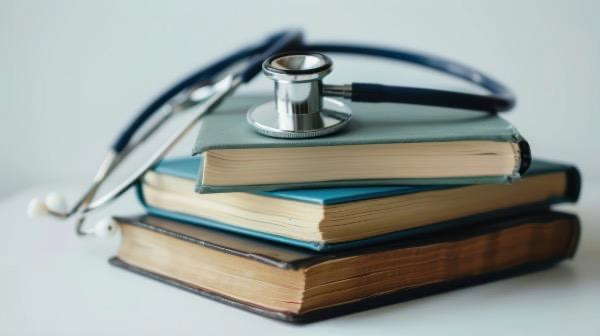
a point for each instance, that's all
(302, 108)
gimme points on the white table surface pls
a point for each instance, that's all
(52, 282)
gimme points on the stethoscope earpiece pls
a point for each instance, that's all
(105, 228)
(37, 208)
(55, 203)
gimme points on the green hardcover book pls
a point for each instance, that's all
(385, 144)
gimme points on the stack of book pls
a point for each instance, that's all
(408, 201)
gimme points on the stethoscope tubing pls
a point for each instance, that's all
(501, 99)
(498, 90)
(256, 53)
(123, 145)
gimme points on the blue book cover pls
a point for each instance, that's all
(188, 168)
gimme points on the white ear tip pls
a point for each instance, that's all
(36, 208)
(56, 202)
(106, 227)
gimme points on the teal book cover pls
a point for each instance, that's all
(372, 124)
(187, 168)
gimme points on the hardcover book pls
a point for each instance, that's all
(296, 285)
(385, 144)
(341, 218)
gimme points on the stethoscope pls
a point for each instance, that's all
(303, 107)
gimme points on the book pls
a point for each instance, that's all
(295, 285)
(342, 218)
(385, 144)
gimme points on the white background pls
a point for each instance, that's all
(73, 72)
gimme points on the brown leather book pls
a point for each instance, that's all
(297, 285)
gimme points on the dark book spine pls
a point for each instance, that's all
(525, 156)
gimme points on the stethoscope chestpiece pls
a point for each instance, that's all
(299, 110)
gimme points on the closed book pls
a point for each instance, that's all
(330, 219)
(385, 144)
(295, 285)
